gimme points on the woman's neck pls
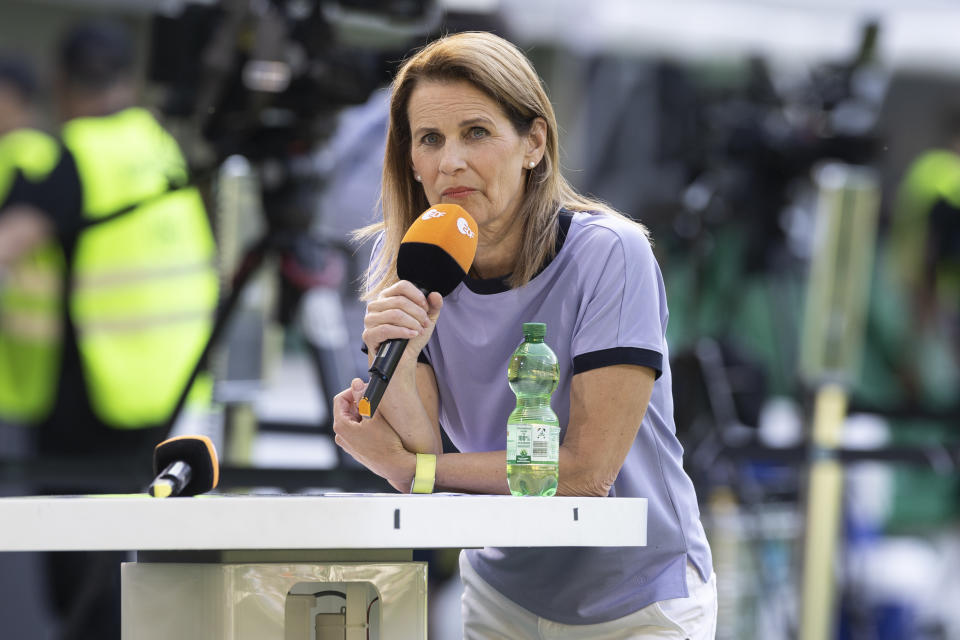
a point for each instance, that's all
(496, 258)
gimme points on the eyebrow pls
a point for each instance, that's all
(478, 119)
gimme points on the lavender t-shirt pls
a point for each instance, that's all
(603, 301)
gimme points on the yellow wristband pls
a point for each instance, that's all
(425, 475)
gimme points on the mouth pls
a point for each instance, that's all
(457, 192)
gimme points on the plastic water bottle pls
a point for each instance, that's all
(533, 432)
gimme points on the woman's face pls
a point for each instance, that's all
(466, 152)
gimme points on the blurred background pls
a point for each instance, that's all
(796, 162)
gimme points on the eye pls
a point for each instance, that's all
(430, 139)
(477, 132)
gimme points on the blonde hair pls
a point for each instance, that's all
(500, 70)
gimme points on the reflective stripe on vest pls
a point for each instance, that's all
(30, 335)
(144, 284)
(30, 298)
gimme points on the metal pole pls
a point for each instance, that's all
(831, 344)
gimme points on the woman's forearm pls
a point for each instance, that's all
(487, 473)
(484, 472)
(402, 406)
(412, 424)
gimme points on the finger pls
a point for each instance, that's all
(397, 318)
(436, 303)
(409, 290)
(343, 444)
(357, 386)
(375, 337)
(405, 289)
(397, 304)
(342, 399)
(345, 407)
(347, 415)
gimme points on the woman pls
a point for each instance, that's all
(470, 124)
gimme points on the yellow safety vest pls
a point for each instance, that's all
(933, 176)
(30, 295)
(144, 285)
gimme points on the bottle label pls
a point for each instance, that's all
(533, 443)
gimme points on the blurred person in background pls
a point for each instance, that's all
(471, 124)
(923, 263)
(110, 292)
(27, 157)
(909, 377)
(912, 355)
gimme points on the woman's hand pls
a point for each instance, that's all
(373, 443)
(401, 311)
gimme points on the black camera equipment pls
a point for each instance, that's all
(265, 80)
(752, 145)
(757, 141)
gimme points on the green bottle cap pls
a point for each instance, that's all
(534, 329)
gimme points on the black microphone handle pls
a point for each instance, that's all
(388, 357)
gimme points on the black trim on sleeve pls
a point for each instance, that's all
(619, 355)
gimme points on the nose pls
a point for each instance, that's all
(452, 159)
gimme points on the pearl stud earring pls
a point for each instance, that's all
(417, 177)
(532, 164)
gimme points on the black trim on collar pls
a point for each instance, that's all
(487, 286)
(563, 228)
(619, 355)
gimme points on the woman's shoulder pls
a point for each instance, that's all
(595, 230)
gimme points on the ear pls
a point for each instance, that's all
(536, 140)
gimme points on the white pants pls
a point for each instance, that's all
(489, 615)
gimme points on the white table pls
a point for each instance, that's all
(239, 567)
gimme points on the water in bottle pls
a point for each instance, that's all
(533, 432)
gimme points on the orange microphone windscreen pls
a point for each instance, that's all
(438, 248)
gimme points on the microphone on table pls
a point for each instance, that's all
(435, 255)
(184, 466)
